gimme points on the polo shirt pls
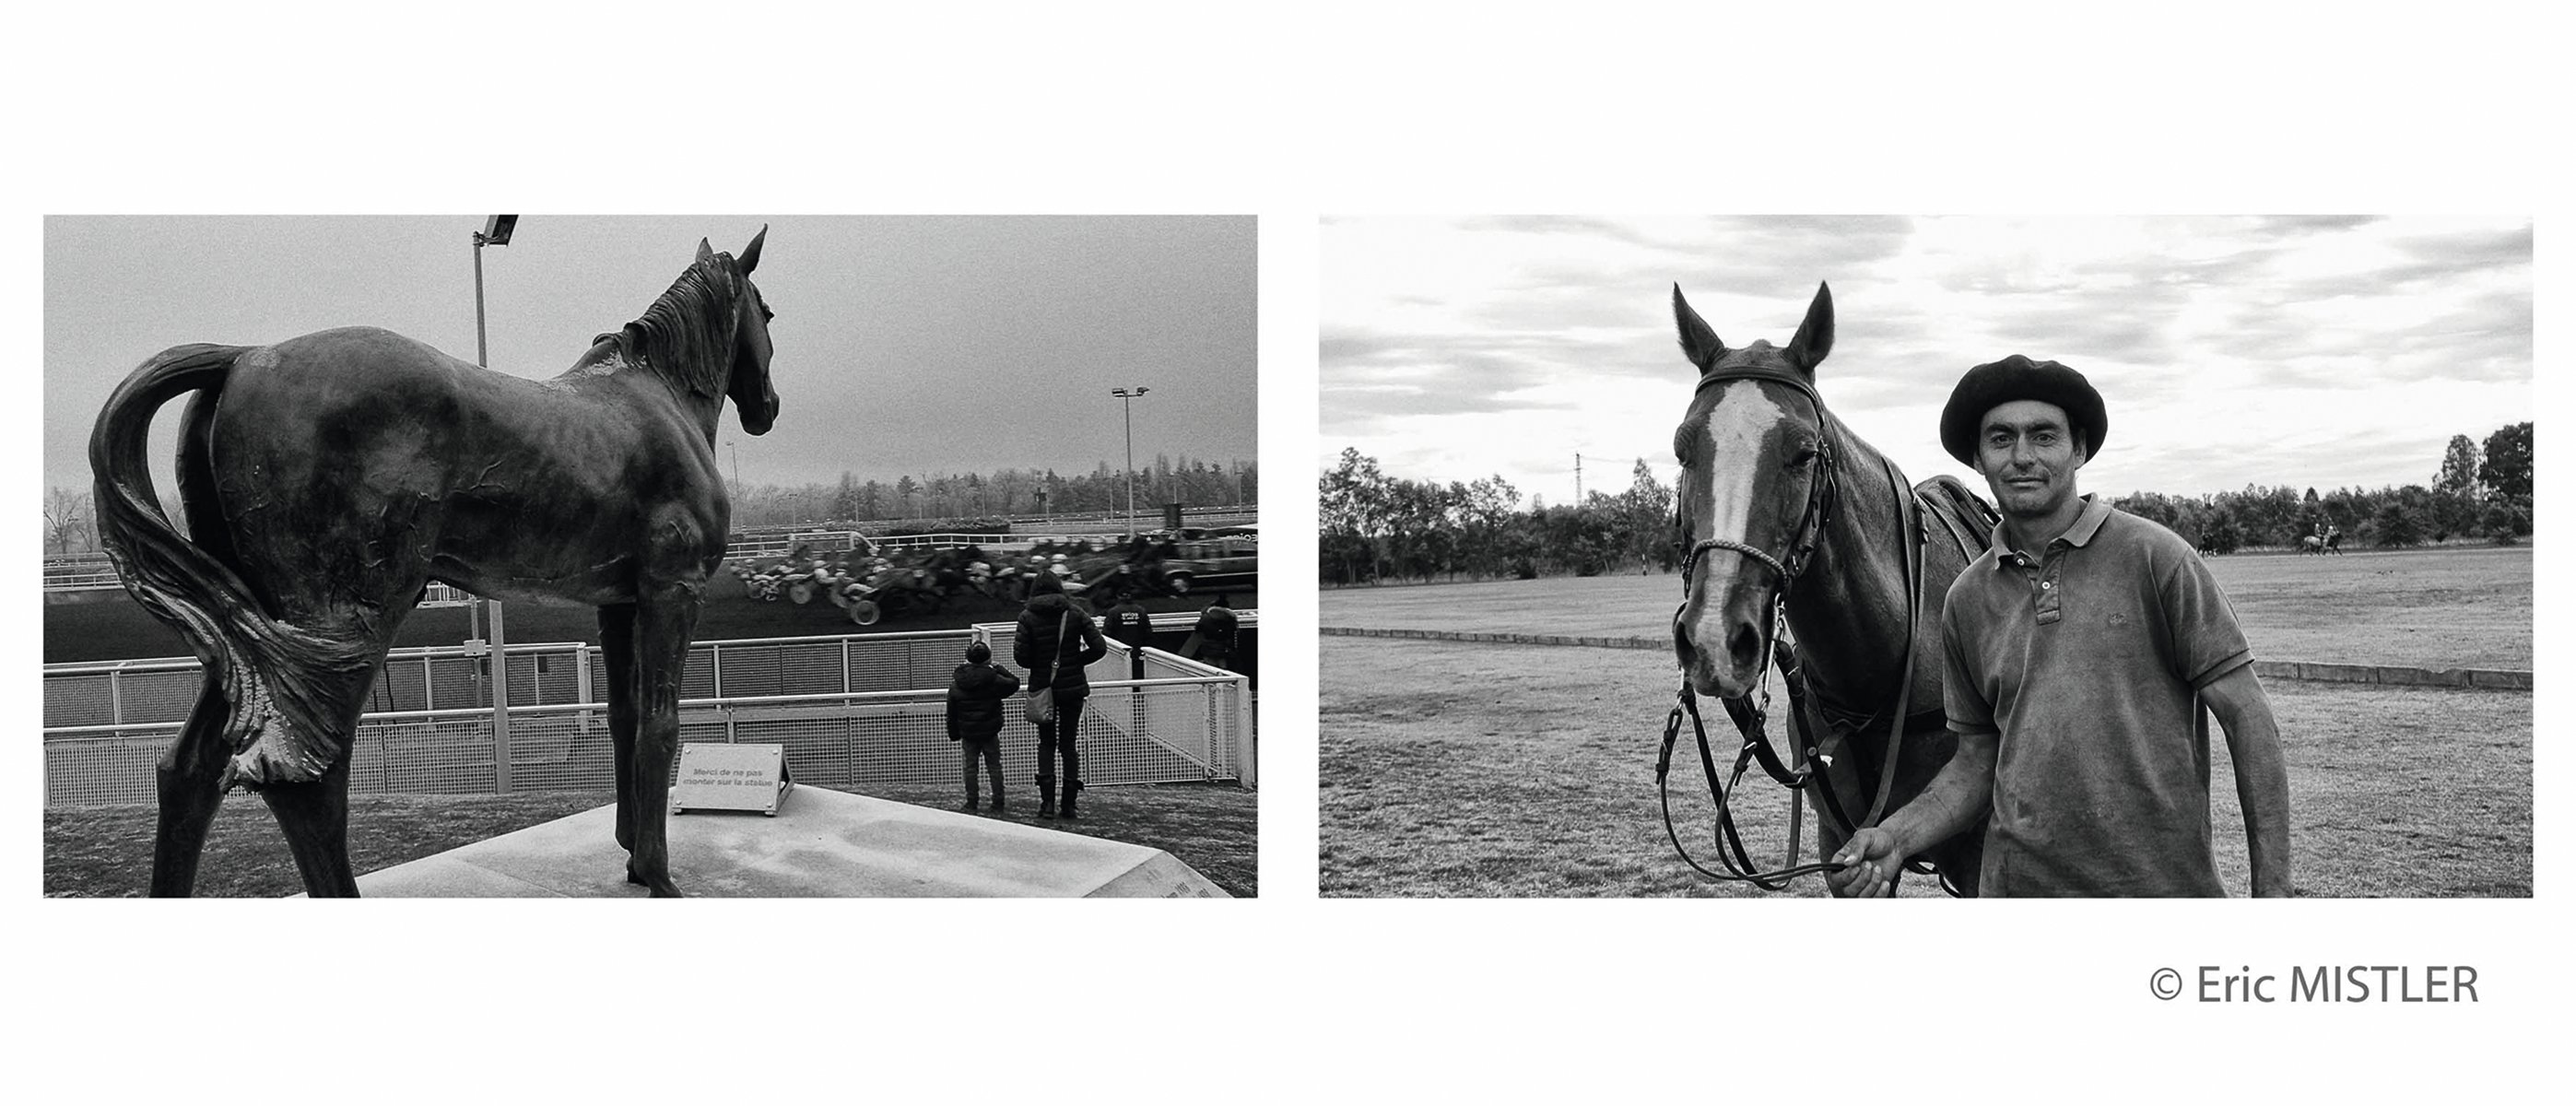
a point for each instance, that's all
(2087, 660)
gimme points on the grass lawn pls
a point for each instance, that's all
(2463, 607)
(1455, 769)
(107, 851)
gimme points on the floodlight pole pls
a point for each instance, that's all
(495, 232)
(1127, 404)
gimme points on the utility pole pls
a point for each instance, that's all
(496, 232)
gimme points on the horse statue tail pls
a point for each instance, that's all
(276, 723)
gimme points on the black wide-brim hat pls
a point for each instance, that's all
(1996, 383)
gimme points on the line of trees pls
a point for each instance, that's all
(70, 527)
(2480, 492)
(1376, 526)
(1011, 491)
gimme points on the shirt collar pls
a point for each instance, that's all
(2087, 523)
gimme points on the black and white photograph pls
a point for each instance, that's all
(1926, 556)
(1765, 456)
(589, 556)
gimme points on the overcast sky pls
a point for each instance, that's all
(2313, 351)
(904, 344)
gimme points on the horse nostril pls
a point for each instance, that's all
(1744, 644)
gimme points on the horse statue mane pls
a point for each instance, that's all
(683, 335)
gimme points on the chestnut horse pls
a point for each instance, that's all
(1785, 511)
(328, 479)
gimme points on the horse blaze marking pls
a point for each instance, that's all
(1743, 417)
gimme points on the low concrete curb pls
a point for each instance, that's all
(2493, 679)
(2490, 679)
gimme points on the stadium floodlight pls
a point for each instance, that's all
(496, 232)
(1127, 403)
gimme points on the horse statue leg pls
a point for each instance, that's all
(617, 652)
(191, 778)
(315, 819)
(663, 623)
(314, 814)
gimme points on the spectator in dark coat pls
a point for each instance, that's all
(1130, 626)
(977, 696)
(1215, 633)
(1055, 640)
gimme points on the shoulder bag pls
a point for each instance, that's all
(1041, 700)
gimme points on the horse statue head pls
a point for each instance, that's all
(1758, 453)
(747, 382)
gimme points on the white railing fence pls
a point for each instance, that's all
(850, 710)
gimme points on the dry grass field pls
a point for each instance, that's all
(2466, 607)
(1456, 769)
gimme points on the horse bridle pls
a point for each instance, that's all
(1811, 522)
(1749, 715)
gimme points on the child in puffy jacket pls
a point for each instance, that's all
(978, 695)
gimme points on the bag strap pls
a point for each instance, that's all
(1056, 662)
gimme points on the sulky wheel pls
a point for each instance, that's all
(864, 613)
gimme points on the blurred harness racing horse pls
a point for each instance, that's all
(328, 478)
(1790, 520)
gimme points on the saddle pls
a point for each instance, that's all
(1970, 519)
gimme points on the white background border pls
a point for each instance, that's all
(1287, 113)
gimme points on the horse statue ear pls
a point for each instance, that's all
(1699, 343)
(750, 258)
(705, 251)
(1815, 336)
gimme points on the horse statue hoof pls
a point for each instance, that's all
(660, 887)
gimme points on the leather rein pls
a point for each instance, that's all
(1749, 715)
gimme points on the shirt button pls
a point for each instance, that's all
(2046, 584)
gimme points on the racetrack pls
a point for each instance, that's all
(109, 625)
(1473, 769)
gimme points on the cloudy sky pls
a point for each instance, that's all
(2311, 351)
(904, 344)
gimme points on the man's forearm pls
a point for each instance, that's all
(1955, 800)
(2262, 776)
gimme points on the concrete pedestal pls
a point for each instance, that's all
(822, 844)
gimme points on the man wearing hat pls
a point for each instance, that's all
(2079, 651)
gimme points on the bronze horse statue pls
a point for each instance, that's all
(1790, 517)
(328, 479)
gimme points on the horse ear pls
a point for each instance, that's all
(705, 251)
(1815, 336)
(750, 258)
(1699, 343)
